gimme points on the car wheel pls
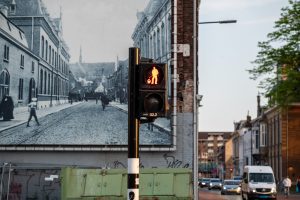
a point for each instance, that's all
(209, 188)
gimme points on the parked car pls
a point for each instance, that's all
(231, 186)
(215, 183)
(239, 178)
(204, 182)
(258, 183)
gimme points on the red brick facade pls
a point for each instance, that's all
(185, 64)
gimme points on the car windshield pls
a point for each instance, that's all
(205, 179)
(231, 182)
(261, 177)
(215, 180)
(237, 178)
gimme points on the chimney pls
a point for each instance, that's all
(4, 10)
(258, 106)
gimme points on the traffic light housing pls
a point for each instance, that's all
(152, 90)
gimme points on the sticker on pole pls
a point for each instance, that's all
(133, 194)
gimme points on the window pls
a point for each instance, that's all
(45, 83)
(32, 67)
(154, 46)
(50, 54)
(158, 44)
(4, 83)
(163, 40)
(49, 86)
(13, 8)
(46, 50)
(20, 33)
(262, 134)
(150, 48)
(20, 96)
(41, 81)
(43, 47)
(256, 139)
(6, 53)
(22, 61)
(8, 24)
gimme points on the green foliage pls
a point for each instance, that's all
(277, 63)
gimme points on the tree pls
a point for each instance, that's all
(278, 61)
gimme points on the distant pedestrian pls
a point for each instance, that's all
(32, 106)
(298, 184)
(287, 183)
(7, 108)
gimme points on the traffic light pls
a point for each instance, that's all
(152, 90)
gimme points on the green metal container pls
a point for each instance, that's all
(111, 184)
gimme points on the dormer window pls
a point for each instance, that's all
(8, 26)
(21, 35)
(13, 8)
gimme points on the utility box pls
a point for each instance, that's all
(111, 184)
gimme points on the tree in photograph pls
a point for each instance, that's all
(277, 64)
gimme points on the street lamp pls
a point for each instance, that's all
(219, 22)
(197, 99)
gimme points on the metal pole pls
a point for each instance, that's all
(195, 108)
(133, 126)
(2, 176)
(8, 182)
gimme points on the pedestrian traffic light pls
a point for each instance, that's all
(152, 90)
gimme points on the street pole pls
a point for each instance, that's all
(133, 126)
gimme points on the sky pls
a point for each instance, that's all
(225, 53)
(103, 28)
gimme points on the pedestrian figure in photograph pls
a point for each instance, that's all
(7, 108)
(298, 185)
(104, 101)
(287, 183)
(32, 109)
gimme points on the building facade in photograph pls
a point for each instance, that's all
(18, 65)
(45, 40)
(152, 34)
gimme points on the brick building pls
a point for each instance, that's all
(18, 65)
(211, 153)
(279, 134)
(45, 40)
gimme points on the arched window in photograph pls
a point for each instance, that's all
(45, 83)
(158, 44)
(46, 50)
(163, 40)
(154, 46)
(169, 34)
(41, 81)
(4, 83)
(49, 84)
(43, 47)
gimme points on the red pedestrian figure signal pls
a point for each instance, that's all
(152, 80)
(152, 90)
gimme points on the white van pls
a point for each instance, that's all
(258, 183)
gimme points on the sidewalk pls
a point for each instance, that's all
(161, 123)
(21, 115)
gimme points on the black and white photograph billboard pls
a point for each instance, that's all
(64, 72)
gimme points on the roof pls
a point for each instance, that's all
(26, 8)
(12, 31)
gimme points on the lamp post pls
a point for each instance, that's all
(219, 22)
(198, 99)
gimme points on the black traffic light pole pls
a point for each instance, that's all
(133, 126)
